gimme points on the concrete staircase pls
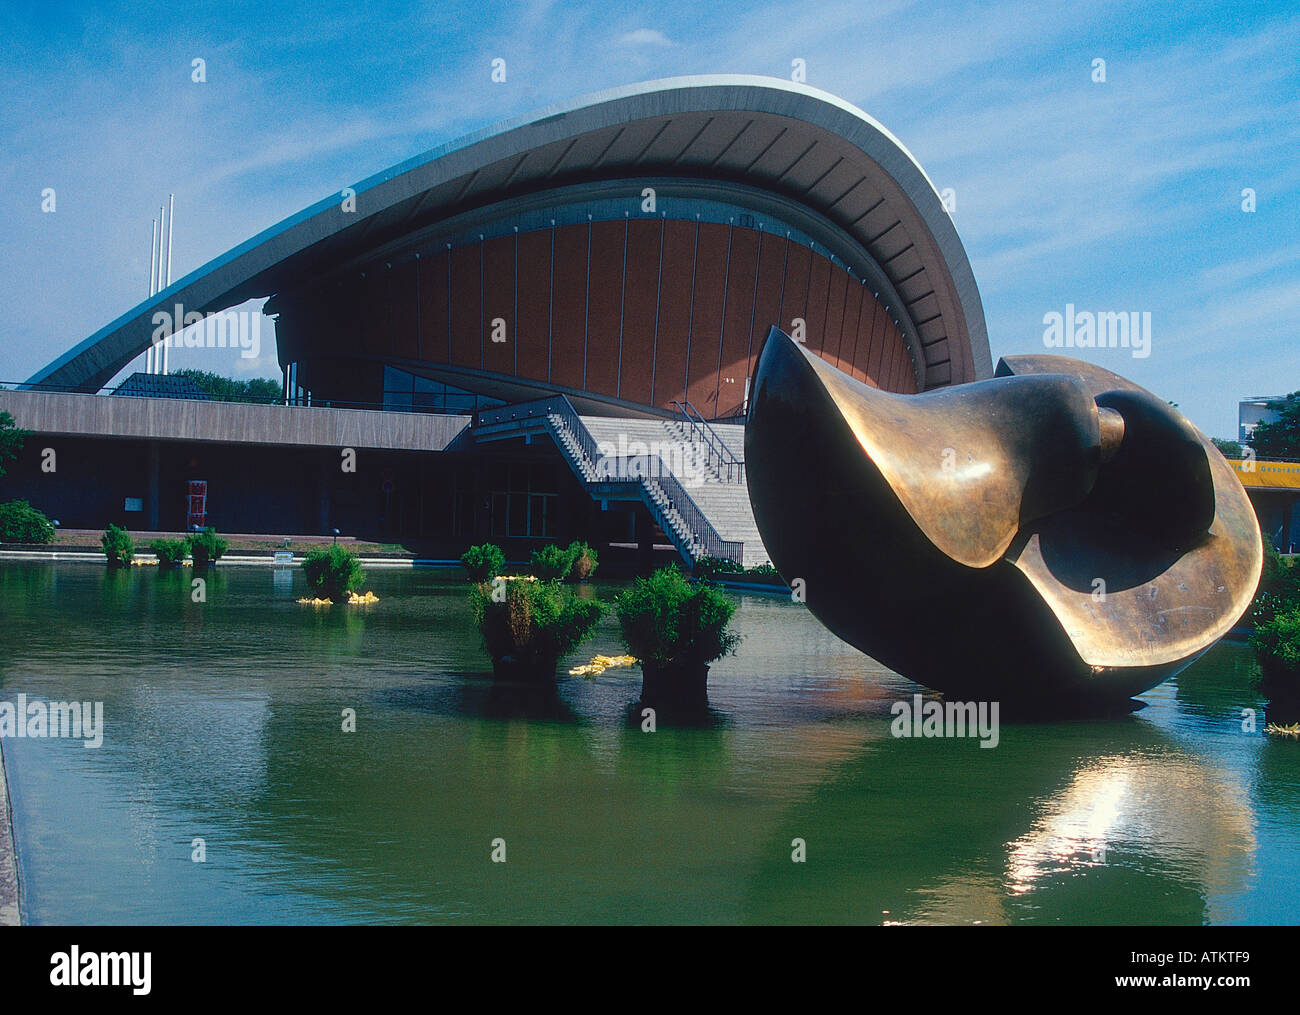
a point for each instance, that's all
(727, 507)
(720, 493)
(690, 476)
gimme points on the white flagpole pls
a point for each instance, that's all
(153, 258)
(171, 209)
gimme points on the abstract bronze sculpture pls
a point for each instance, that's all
(1054, 536)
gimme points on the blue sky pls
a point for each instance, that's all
(1120, 196)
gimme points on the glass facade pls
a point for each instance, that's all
(523, 500)
(407, 392)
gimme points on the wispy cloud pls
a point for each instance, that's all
(645, 37)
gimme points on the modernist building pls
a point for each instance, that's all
(629, 251)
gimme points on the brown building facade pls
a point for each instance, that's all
(633, 313)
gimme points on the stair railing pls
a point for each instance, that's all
(694, 528)
(730, 468)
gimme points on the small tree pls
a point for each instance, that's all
(483, 562)
(1229, 449)
(118, 547)
(676, 630)
(333, 572)
(170, 552)
(22, 523)
(551, 563)
(207, 547)
(528, 626)
(584, 562)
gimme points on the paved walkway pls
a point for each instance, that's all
(8, 858)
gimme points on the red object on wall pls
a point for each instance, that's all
(196, 515)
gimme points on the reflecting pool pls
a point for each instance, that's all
(224, 723)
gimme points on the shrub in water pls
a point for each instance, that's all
(207, 547)
(170, 552)
(333, 572)
(551, 563)
(527, 626)
(584, 562)
(22, 523)
(676, 629)
(117, 545)
(483, 563)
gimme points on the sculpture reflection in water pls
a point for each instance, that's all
(1119, 808)
(1053, 537)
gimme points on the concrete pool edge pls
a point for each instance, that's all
(10, 915)
(261, 560)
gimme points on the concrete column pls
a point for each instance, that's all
(645, 540)
(151, 507)
(323, 496)
(482, 512)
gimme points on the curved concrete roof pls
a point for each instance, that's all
(791, 140)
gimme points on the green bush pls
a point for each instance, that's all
(117, 545)
(1279, 588)
(532, 621)
(1277, 645)
(711, 567)
(551, 563)
(170, 552)
(670, 622)
(763, 571)
(584, 562)
(333, 572)
(22, 523)
(483, 563)
(207, 547)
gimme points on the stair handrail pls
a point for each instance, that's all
(558, 413)
(545, 408)
(699, 530)
(731, 468)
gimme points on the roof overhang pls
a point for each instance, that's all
(765, 134)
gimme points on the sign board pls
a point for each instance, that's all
(284, 558)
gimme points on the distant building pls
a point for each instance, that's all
(1271, 484)
(1253, 411)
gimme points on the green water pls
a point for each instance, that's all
(224, 722)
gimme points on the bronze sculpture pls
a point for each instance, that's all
(1055, 536)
